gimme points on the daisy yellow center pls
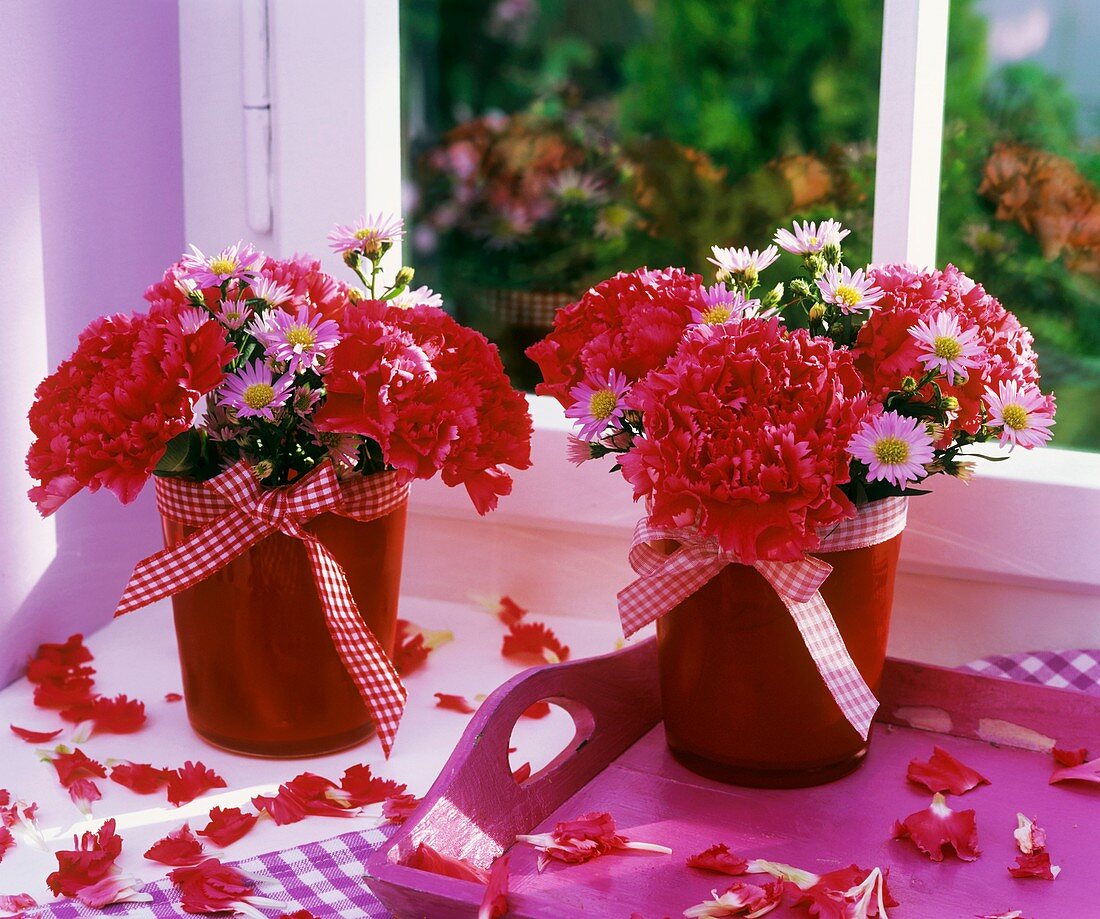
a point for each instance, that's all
(258, 395)
(848, 296)
(1015, 416)
(366, 233)
(716, 315)
(601, 404)
(301, 336)
(812, 240)
(223, 265)
(891, 451)
(947, 347)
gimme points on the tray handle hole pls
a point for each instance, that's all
(548, 734)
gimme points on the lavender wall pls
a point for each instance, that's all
(91, 210)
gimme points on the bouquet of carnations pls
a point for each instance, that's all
(296, 368)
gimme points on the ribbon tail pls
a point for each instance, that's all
(173, 570)
(375, 677)
(650, 596)
(834, 663)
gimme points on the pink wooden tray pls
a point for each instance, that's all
(618, 762)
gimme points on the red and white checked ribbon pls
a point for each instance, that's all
(235, 512)
(667, 579)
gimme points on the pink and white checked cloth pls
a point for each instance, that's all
(667, 579)
(234, 513)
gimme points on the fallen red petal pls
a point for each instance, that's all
(7, 841)
(89, 863)
(1070, 757)
(173, 697)
(399, 808)
(283, 807)
(538, 710)
(178, 848)
(363, 787)
(426, 858)
(320, 797)
(454, 703)
(301, 914)
(740, 899)
(937, 826)
(139, 777)
(13, 904)
(120, 715)
(533, 643)
(34, 736)
(1035, 865)
(227, 825)
(718, 858)
(83, 792)
(494, 905)
(827, 898)
(522, 774)
(190, 781)
(1085, 772)
(69, 654)
(64, 693)
(943, 772)
(409, 650)
(589, 836)
(509, 612)
(73, 764)
(210, 886)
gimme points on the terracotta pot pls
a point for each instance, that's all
(743, 701)
(260, 672)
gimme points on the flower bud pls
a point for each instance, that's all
(831, 253)
(950, 403)
(351, 258)
(817, 311)
(908, 384)
(964, 470)
(746, 277)
(771, 299)
(800, 287)
(263, 469)
(404, 276)
(355, 294)
(722, 276)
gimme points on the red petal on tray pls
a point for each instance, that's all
(34, 736)
(1030, 837)
(227, 825)
(846, 893)
(580, 840)
(120, 715)
(90, 862)
(1070, 757)
(538, 710)
(173, 697)
(1035, 865)
(399, 808)
(211, 887)
(362, 787)
(533, 643)
(494, 905)
(741, 899)
(937, 826)
(718, 858)
(73, 764)
(451, 703)
(1085, 772)
(139, 777)
(522, 774)
(943, 772)
(426, 858)
(190, 781)
(7, 841)
(178, 848)
(83, 792)
(508, 611)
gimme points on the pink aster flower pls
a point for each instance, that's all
(893, 447)
(191, 319)
(271, 292)
(233, 313)
(809, 238)
(724, 305)
(851, 291)
(944, 347)
(573, 187)
(1023, 414)
(422, 296)
(237, 262)
(302, 340)
(255, 392)
(735, 260)
(369, 235)
(598, 404)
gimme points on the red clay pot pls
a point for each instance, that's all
(260, 672)
(743, 702)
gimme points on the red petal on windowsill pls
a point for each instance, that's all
(178, 848)
(362, 787)
(211, 887)
(14, 904)
(580, 840)
(190, 781)
(451, 703)
(1085, 772)
(937, 826)
(120, 715)
(1035, 865)
(73, 764)
(943, 772)
(522, 774)
(426, 858)
(538, 710)
(1070, 757)
(83, 792)
(34, 736)
(533, 643)
(7, 841)
(399, 808)
(509, 612)
(718, 858)
(227, 825)
(139, 777)
(90, 862)
(412, 645)
(173, 697)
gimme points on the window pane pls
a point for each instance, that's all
(551, 143)
(1019, 208)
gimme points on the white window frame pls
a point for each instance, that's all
(335, 134)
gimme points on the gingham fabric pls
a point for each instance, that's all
(325, 878)
(1075, 669)
(528, 308)
(235, 513)
(666, 579)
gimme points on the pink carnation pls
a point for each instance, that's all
(746, 434)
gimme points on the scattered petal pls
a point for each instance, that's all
(300, 914)
(92, 860)
(73, 764)
(1035, 865)
(533, 643)
(580, 840)
(937, 826)
(178, 848)
(139, 777)
(538, 710)
(211, 887)
(83, 792)
(7, 841)
(63, 693)
(1085, 772)
(34, 736)
(718, 858)
(426, 858)
(801, 879)
(283, 807)
(522, 774)
(120, 715)
(943, 772)
(1070, 757)
(173, 697)
(1030, 837)
(320, 797)
(362, 787)
(508, 611)
(399, 808)
(70, 654)
(114, 888)
(741, 899)
(190, 781)
(494, 905)
(413, 644)
(454, 703)
(13, 904)
(227, 825)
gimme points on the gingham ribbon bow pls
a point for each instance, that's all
(236, 513)
(666, 579)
